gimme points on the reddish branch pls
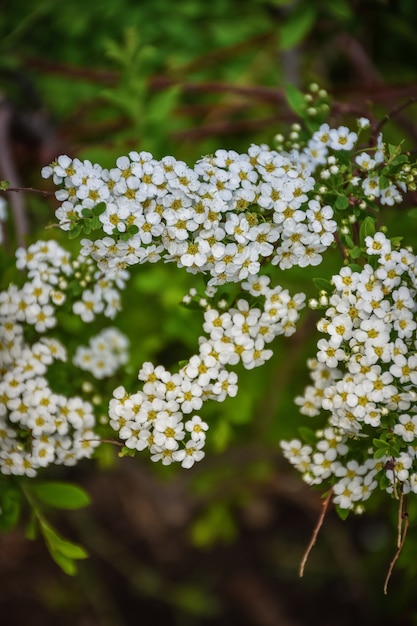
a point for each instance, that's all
(319, 524)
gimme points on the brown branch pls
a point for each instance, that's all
(392, 114)
(31, 190)
(403, 528)
(319, 524)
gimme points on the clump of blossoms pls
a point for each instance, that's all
(364, 380)
(39, 427)
(104, 355)
(161, 416)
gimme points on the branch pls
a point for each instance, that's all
(403, 523)
(31, 190)
(319, 524)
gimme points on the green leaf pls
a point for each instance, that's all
(367, 229)
(56, 543)
(75, 231)
(355, 253)
(60, 495)
(67, 565)
(95, 223)
(322, 284)
(126, 452)
(339, 9)
(99, 208)
(307, 435)
(86, 212)
(10, 504)
(299, 23)
(4, 185)
(31, 530)
(395, 165)
(341, 203)
(296, 100)
(342, 513)
(384, 182)
(381, 452)
(379, 444)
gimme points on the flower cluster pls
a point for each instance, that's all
(38, 426)
(154, 416)
(223, 217)
(364, 376)
(105, 353)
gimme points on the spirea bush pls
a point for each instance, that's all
(229, 218)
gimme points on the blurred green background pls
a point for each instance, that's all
(219, 544)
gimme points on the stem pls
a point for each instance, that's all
(390, 115)
(313, 539)
(31, 190)
(403, 527)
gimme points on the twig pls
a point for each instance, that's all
(390, 115)
(319, 524)
(403, 522)
(31, 190)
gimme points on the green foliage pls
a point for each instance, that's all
(59, 495)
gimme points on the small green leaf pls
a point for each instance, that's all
(339, 9)
(95, 223)
(86, 212)
(298, 24)
(381, 452)
(349, 241)
(379, 444)
(4, 185)
(99, 208)
(307, 435)
(67, 565)
(126, 452)
(75, 231)
(342, 513)
(56, 543)
(60, 495)
(341, 203)
(31, 530)
(384, 182)
(355, 253)
(322, 284)
(367, 229)
(10, 503)
(296, 100)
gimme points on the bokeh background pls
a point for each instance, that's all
(221, 543)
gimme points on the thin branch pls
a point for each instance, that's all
(319, 524)
(31, 190)
(392, 114)
(403, 528)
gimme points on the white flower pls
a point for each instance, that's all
(191, 454)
